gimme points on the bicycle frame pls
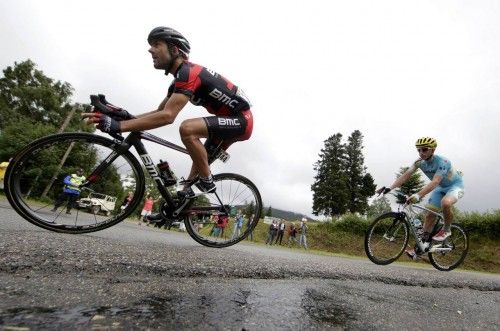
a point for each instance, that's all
(411, 215)
(134, 139)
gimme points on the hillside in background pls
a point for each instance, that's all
(287, 215)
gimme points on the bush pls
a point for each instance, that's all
(486, 225)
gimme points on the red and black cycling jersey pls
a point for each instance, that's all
(207, 88)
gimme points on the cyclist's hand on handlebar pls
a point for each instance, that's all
(414, 198)
(103, 106)
(383, 190)
(116, 113)
(104, 122)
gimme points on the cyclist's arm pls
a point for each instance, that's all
(430, 186)
(160, 107)
(156, 119)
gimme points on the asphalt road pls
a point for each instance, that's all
(137, 277)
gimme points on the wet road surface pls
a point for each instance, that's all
(131, 277)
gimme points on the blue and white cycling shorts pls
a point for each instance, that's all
(455, 191)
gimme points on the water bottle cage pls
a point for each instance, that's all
(166, 174)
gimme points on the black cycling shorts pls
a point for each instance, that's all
(225, 130)
(234, 128)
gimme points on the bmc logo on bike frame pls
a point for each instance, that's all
(223, 98)
(151, 168)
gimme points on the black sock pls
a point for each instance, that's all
(207, 179)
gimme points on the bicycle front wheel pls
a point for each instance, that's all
(212, 219)
(386, 238)
(451, 252)
(41, 183)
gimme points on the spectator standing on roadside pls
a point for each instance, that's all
(250, 225)
(146, 209)
(281, 231)
(292, 234)
(215, 228)
(223, 221)
(3, 168)
(238, 224)
(127, 200)
(273, 229)
(303, 233)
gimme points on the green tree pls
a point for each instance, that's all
(33, 105)
(249, 209)
(412, 185)
(269, 211)
(360, 184)
(379, 206)
(19, 134)
(26, 92)
(330, 187)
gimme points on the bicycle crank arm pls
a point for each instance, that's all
(439, 248)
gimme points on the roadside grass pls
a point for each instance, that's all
(483, 254)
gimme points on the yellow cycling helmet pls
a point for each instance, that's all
(426, 142)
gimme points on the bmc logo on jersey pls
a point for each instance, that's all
(228, 121)
(223, 98)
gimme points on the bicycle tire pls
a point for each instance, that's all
(459, 242)
(389, 229)
(232, 189)
(33, 209)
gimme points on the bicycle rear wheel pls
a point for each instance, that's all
(36, 189)
(211, 219)
(386, 238)
(451, 252)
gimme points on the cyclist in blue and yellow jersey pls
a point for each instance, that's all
(446, 185)
(232, 120)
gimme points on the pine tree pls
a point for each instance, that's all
(379, 206)
(330, 190)
(249, 209)
(412, 185)
(269, 211)
(360, 184)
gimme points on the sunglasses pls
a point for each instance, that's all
(422, 150)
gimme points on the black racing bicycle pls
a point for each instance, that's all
(388, 236)
(35, 181)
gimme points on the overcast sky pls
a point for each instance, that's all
(395, 70)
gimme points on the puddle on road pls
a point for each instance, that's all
(271, 305)
(151, 309)
(326, 310)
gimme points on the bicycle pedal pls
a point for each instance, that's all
(434, 248)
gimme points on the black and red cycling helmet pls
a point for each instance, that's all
(171, 36)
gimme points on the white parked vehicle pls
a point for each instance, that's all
(98, 203)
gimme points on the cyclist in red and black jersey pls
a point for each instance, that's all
(232, 120)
